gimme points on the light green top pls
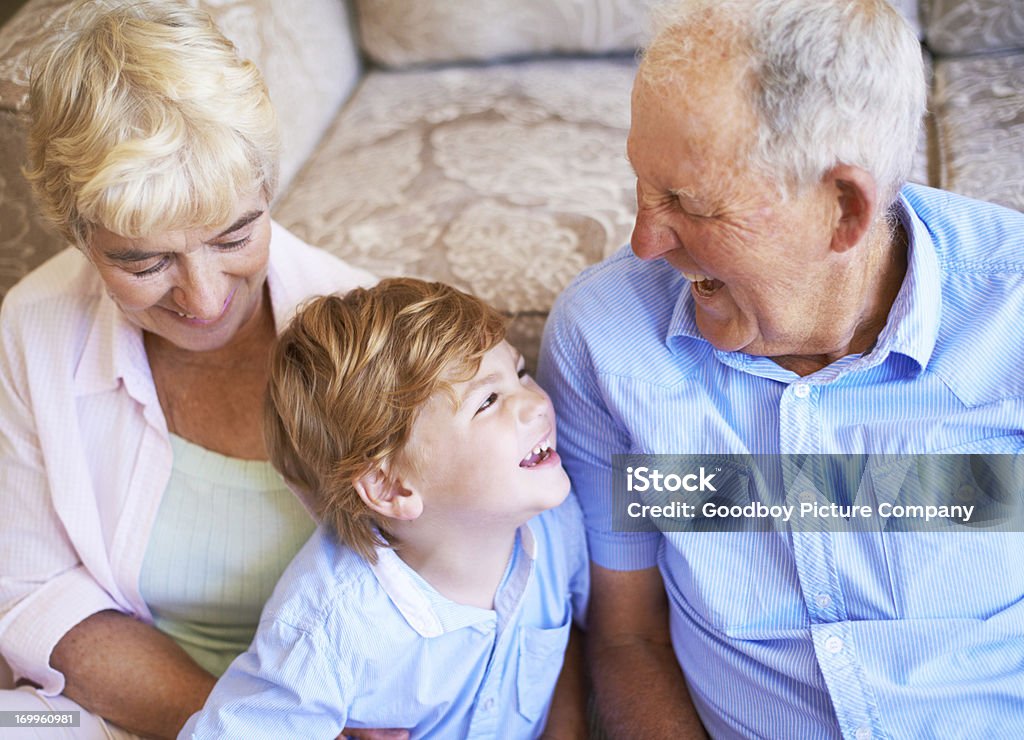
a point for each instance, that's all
(225, 531)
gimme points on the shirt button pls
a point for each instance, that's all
(824, 601)
(488, 704)
(863, 733)
(801, 390)
(833, 644)
(808, 497)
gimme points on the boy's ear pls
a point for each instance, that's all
(387, 496)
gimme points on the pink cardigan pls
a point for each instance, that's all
(84, 449)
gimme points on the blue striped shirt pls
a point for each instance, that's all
(343, 643)
(783, 634)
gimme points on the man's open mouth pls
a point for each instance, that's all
(703, 285)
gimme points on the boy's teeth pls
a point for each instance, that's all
(537, 455)
(695, 277)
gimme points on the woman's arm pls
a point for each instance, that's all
(131, 674)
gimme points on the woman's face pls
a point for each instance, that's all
(194, 288)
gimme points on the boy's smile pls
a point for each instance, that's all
(538, 455)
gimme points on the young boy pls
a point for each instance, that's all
(439, 593)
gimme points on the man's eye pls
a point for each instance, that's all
(491, 400)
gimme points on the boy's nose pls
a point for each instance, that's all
(534, 404)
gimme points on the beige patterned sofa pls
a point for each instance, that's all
(481, 142)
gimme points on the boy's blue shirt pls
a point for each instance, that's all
(342, 643)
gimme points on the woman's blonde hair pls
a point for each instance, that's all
(144, 120)
(347, 378)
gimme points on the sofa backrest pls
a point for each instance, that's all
(309, 59)
(401, 33)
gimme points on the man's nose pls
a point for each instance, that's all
(652, 239)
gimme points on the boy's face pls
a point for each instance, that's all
(491, 459)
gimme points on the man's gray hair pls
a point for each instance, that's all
(832, 81)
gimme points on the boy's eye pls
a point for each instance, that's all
(522, 372)
(491, 400)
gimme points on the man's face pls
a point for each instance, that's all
(759, 267)
(491, 459)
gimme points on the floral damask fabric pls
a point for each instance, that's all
(979, 112)
(971, 26)
(399, 33)
(505, 180)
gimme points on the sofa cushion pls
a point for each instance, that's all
(505, 180)
(978, 105)
(910, 9)
(308, 59)
(399, 33)
(972, 26)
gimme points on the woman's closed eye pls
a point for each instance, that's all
(233, 245)
(158, 267)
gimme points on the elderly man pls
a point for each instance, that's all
(786, 293)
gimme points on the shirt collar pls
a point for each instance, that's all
(912, 328)
(288, 278)
(113, 352)
(430, 614)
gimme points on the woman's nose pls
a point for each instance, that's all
(201, 292)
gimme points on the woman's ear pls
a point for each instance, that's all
(387, 495)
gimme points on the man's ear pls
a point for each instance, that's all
(387, 495)
(856, 196)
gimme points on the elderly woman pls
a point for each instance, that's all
(141, 527)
